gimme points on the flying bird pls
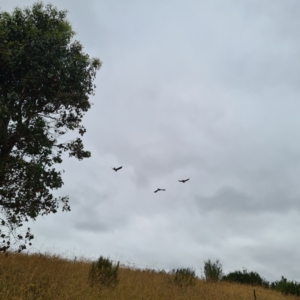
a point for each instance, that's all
(116, 169)
(184, 180)
(159, 190)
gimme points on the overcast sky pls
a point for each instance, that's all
(206, 90)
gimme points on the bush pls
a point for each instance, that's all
(103, 273)
(246, 277)
(213, 271)
(183, 277)
(286, 287)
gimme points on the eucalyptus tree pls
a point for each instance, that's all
(45, 83)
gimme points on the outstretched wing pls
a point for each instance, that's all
(120, 168)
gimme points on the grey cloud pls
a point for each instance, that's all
(230, 201)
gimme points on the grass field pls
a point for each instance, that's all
(44, 277)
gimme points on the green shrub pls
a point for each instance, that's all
(245, 277)
(286, 287)
(104, 273)
(183, 277)
(213, 271)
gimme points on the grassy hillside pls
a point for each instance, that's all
(49, 277)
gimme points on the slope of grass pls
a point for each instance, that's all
(45, 277)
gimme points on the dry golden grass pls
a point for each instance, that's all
(45, 277)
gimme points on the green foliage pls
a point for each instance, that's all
(246, 277)
(103, 273)
(213, 271)
(45, 84)
(286, 287)
(183, 277)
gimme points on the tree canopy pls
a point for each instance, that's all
(45, 83)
